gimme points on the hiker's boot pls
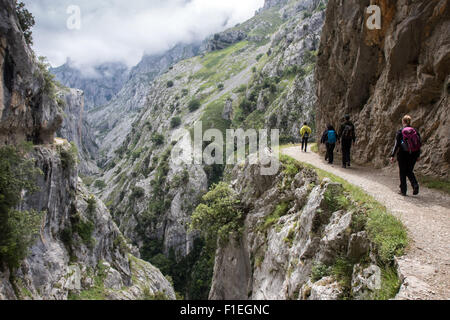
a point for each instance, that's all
(416, 190)
(344, 166)
(402, 193)
(348, 165)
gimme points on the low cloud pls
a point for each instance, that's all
(122, 31)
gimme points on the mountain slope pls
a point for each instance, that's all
(99, 86)
(265, 81)
(111, 123)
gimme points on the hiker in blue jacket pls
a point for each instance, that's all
(407, 148)
(329, 138)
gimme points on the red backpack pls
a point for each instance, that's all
(411, 140)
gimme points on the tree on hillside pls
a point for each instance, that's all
(26, 21)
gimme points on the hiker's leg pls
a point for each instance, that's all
(327, 154)
(411, 176)
(303, 144)
(306, 144)
(344, 155)
(345, 152)
(403, 168)
(349, 157)
(331, 156)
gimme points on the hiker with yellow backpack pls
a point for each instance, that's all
(305, 133)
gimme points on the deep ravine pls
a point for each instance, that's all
(120, 219)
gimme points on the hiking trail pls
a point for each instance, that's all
(425, 267)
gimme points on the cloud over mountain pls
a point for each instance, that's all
(119, 30)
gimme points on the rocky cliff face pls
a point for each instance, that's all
(378, 76)
(27, 110)
(99, 85)
(75, 129)
(295, 234)
(80, 252)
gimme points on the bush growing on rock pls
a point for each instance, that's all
(17, 228)
(194, 105)
(175, 122)
(26, 21)
(69, 157)
(219, 216)
(100, 184)
(157, 139)
(92, 205)
(137, 193)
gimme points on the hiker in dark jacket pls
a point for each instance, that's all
(329, 138)
(347, 137)
(407, 148)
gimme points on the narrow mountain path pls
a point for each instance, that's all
(426, 265)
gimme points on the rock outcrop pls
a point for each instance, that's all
(75, 129)
(80, 249)
(294, 234)
(27, 110)
(378, 76)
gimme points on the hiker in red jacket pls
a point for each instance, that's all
(407, 148)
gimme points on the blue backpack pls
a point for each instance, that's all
(332, 136)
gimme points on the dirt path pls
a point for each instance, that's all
(426, 265)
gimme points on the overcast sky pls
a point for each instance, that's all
(122, 30)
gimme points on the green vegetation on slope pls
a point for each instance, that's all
(219, 216)
(384, 230)
(17, 228)
(191, 275)
(262, 25)
(433, 183)
(26, 21)
(219, 66)
(98, 290)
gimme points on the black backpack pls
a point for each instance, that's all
(347, 133)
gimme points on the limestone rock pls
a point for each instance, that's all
(413, 288)
(325, 289)
(27, 112)
(75, 129)
(275, 261)
(365, 281)
(73, 278)
(378, 76)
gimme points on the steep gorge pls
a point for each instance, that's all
(77, 250)
(263, 77)
(304, 236)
